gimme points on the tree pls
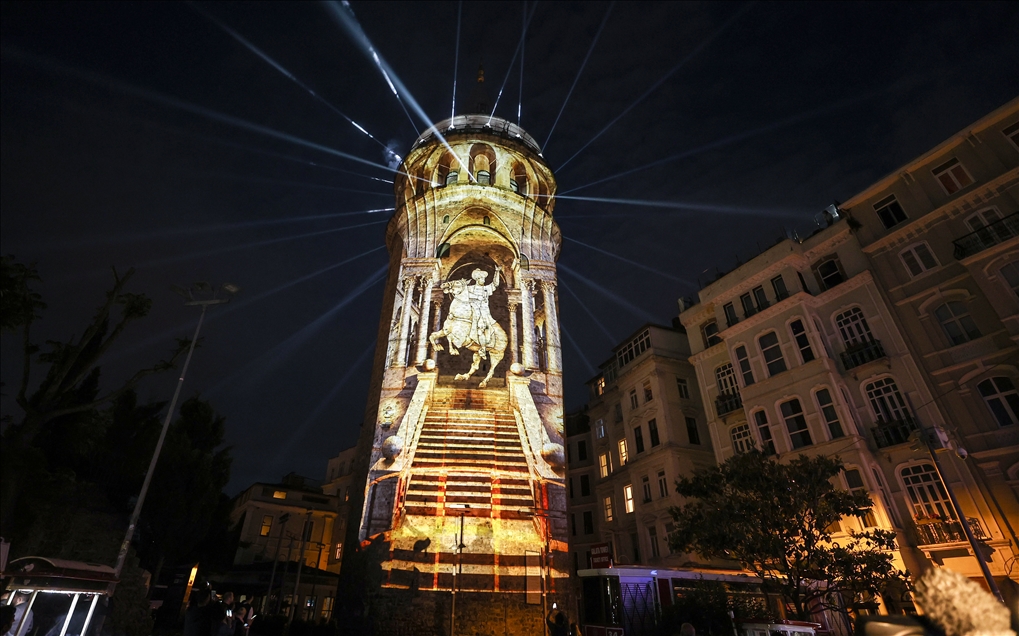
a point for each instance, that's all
(776, 519)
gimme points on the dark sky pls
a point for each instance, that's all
(121, 146)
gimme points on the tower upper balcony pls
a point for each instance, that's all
(479, 124)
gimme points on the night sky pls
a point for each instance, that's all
(146, 135)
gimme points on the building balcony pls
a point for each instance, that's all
(894, 432)
(989, 236)
(727, 403)
(862, 353)
(934, 531)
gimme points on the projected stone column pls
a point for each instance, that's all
(408, 304)
(553, 343)
(514, 346)
(527, 317)
(423, 322)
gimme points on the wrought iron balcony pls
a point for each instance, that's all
(935, 531)
(894, 432)
(989, 236)
(727, 403)
(862, 353)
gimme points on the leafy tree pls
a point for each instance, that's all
(776, 519)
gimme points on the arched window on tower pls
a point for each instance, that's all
(519, 181)
(482, 164)
(481, 170)
(446, 172)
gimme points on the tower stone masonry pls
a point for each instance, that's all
(464, 502)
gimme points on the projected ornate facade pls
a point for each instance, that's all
(465, 481)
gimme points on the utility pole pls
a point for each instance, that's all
(276, 559)
(202, 289)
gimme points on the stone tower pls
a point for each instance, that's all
(464, 503)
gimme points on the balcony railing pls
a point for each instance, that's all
(727, 403)
(989, 236)
(934, 531)
(894, 432)
(862, 353)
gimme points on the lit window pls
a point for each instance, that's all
(652, 427)
(633, 399)
(648, 395)
(886, 401)
(772, 352)
(709, 331)
(663, 484)
(623, 457)
(691, 431)
(956, 322)
(927, 495)
(279, 494)
(778, 285)
(607, 508)
(761, 420)
(829, 272)
(266, 526)
(634, 348)
(796, 424)
(853, 327)
(684, 388)
(802, 341)
(828, 413)
(604, 467)
(952, 176)
(627, 498)
(652, 534)
(1002, 399)
(645, 482)
(599, 386)
(1010, 274)
(338, 552)
(725, 380)
(918, 259)
(856, 486)
(890, 212)
(742, 441)
(744, 365)
(638, 439)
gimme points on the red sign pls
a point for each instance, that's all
(601, 555)
(598, 630)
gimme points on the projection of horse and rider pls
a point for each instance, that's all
(470, 324)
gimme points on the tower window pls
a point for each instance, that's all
(452, 177)
(513, 185)
(484, 177)
(445, 219)
(486, 221)
(442, 251)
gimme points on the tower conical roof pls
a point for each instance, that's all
(479, 102)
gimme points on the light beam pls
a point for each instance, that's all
(660, 81)
(691, 207)
(509, 69)
(590, 313)
(597, 35)
(579, 352)
(616, 298)
(634, 263)
(456, 56)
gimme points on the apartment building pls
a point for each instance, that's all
(644, 428)
(898, 314)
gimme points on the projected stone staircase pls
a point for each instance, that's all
(468, 463)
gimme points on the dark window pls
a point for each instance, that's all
(829, 272)
(645, 482)
(957, 323)
(890, 212)
(856, 486)
(618, 412)
(744, 365)
(684, 388)
(761, 420)
(581, 450)
(709, 331)
(952, 176)
(573, 530)
(802, 342)
(442, 251)
(636, 547)
(692, 432)
(778, 284)
(772, 353)
(648, 395)
(569, 453)
(1012, 132)
(1000, 395)
(730, 314)
(828, 413)
(588, 524)
(652, 427)
(796, 424)
(652, 535)
(585, 485)
(663, 484)
(633, 399)
(638, 439)
(760, 297)
(748, 305)
(571, 487)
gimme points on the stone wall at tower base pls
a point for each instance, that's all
(406, 613)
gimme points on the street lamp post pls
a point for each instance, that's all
(459, 566)
(206, 296)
